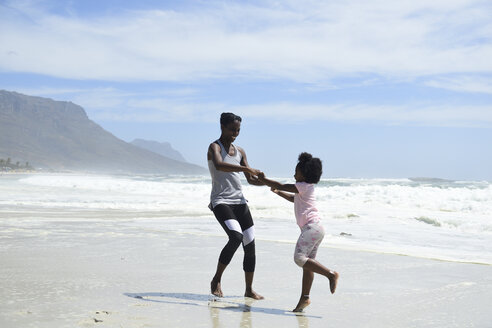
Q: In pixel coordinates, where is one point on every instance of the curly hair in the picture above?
(310, 167)
(226, 118)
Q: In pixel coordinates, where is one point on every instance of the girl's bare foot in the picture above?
(254, 295)
(333, 281)
(303, 303)
(215, 288)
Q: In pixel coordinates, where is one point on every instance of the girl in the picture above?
(308, 172)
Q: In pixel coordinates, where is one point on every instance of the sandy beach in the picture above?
(108, 251)
(90, 271)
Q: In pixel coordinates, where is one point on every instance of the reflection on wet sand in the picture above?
(217, 306)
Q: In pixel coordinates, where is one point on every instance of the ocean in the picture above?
(426, 218)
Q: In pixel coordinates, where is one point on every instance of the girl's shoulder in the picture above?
(305, 183)
(304, 187)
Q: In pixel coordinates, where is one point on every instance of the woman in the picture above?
(225, 161)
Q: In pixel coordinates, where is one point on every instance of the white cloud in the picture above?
(304, 41)
(49, 91)
(463, 84)
(111, 104)
(164, 109)
(416, 114)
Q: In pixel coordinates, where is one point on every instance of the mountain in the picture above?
(58, 135)
(161, 148)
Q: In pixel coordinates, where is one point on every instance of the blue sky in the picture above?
(388, 89)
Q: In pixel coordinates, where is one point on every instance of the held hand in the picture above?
(261, 176)
(254, 172)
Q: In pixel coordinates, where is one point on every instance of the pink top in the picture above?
(305, 204)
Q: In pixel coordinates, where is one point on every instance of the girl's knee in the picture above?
(300, 259)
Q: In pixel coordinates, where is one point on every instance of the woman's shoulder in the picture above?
(240, 149)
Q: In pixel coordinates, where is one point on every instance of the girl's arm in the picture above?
(277, 185)
(289, 197)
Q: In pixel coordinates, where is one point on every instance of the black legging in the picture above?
(237, 222)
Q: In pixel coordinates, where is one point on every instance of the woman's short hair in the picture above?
(226, 118)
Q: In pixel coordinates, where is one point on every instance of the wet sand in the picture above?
(90, 272)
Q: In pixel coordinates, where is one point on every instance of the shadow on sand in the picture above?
(229, 303)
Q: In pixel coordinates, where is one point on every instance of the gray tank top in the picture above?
(226, 186)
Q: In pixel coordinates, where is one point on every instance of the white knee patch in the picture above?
(233, 225)
(248, 235)
(300, 259)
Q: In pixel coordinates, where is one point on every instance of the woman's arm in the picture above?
(214, 155)
(277, 185)
(250, 177)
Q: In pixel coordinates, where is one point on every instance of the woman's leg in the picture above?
(215, 287)
(249, 292)
(249, 263)
(227, 220)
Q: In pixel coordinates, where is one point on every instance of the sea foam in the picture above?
(439, 219)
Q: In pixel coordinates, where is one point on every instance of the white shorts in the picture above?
(307, 245)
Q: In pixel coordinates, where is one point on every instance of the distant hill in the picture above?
(161, 148)
(58, 135)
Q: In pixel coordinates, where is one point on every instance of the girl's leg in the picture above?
(315, 266)
(307, 282)
(306, 249)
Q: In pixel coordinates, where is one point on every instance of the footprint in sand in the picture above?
(98, 318)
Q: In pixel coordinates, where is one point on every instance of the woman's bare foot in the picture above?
(333, 281)
(303, 303)
(215, 288)
(254, 295)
